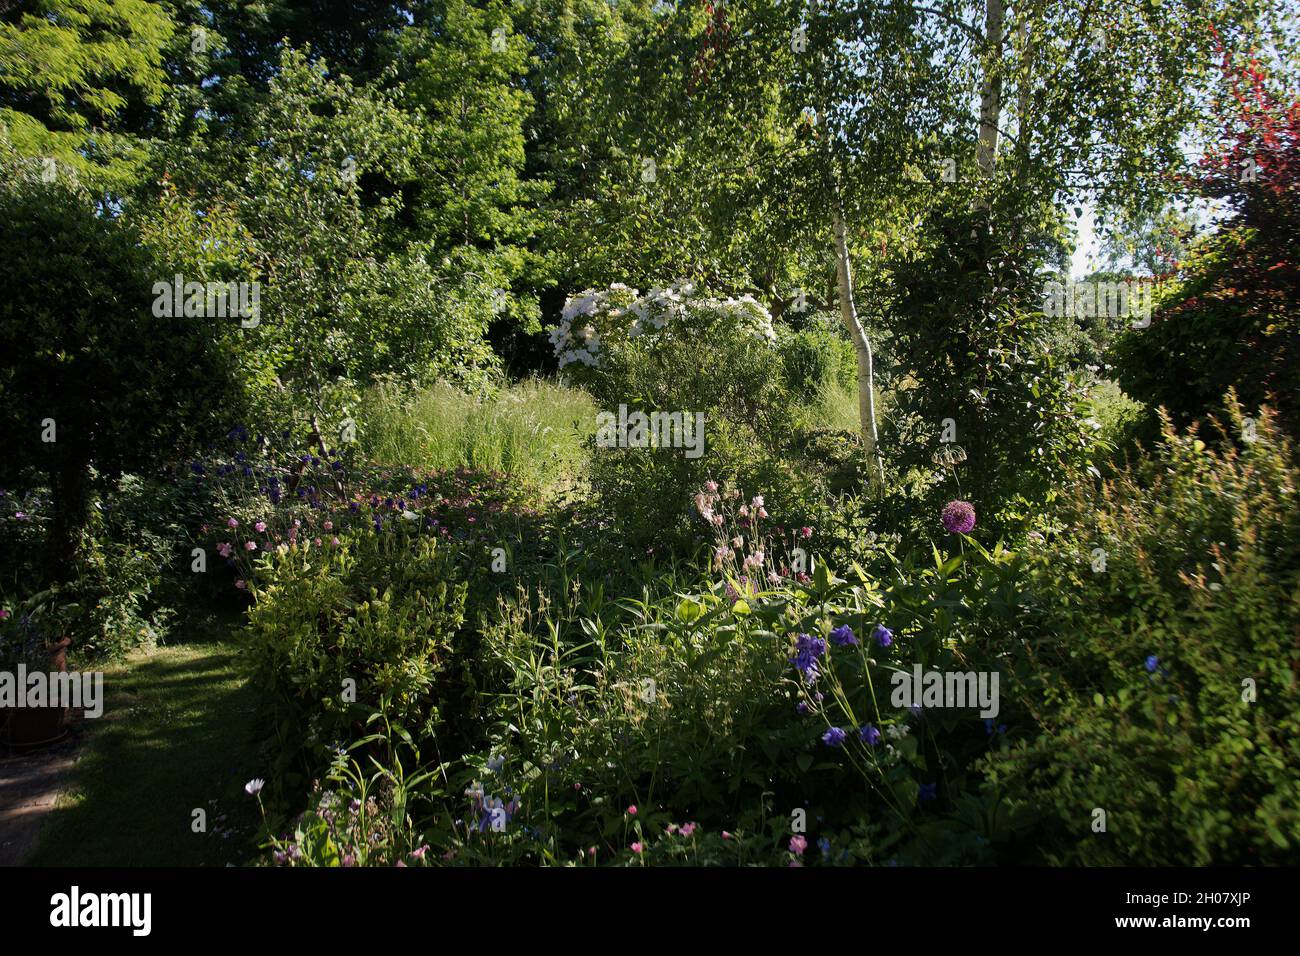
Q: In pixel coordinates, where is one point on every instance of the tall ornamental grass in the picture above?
(533, 430)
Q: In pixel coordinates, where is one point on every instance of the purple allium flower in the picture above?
(1152, 663)
(958, 517)
(882, 635)
(869, 735)
(842, 636)
(833, 737)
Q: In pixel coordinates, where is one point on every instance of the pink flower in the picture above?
(636, 847)
(250, 545)
(224, 549)
(591, 851)
(241, 584)
(4, 615)
(805, 532)
(328, 525)
(317, 542)
(232, 523)
(757, 502)
(688, 829)
(334, 541)
(726, 835)
(631, 811)
(797, 845)
(958, 517)
(711, 487)
(260, 527)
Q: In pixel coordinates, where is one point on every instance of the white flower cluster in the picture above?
(623, 313)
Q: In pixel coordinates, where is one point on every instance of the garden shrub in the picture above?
(969, 345)
(647, 492)
(339, 631)
(816, 357)
(672, 351)
(123, 390)
(1164, 670)
(1233, 317)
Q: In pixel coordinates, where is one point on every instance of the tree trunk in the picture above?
(861, 344)
(71, 486)
(990, 88)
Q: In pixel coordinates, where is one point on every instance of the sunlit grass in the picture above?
(533, 430)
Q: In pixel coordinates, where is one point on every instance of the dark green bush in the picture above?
(86, 362)
(1164, 678)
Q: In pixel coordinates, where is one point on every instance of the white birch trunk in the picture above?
(861, 344)
(991, 88)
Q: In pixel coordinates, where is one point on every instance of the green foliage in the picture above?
(1233, 319)
(1164, 683)
(77, 76)
(92, 376)
(337, 300)
(535, 430)
(337, 633)
(967, 346)
(468, 197)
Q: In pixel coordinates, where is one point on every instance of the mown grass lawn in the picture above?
(176, 736)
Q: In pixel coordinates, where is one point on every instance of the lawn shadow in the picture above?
(159, 780)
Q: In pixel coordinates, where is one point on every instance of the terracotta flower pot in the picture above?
(32, 727)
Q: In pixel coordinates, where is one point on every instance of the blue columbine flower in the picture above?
(842, 636)
(833, 737)
(807, 650)
(869, 735)
(928, 791)
(1152, 663)
(824, 845)
(883, 635)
